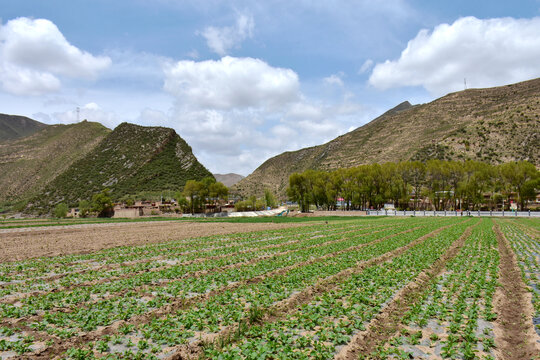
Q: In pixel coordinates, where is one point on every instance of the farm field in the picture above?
(426, 288)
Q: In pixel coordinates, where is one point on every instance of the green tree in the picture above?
(84, 208)
(193, 190)
(516, 175)
(298, 192)
(102, 203)
(269, 198)
(61, 210)
(218, 191)
(530, 189)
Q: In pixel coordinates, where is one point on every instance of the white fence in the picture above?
(237, 214)
(535, 214)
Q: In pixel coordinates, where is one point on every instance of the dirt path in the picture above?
(514, 333)
(387, 322)
(82, 239)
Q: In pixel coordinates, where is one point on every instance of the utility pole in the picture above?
(78, 113)
(465, 83)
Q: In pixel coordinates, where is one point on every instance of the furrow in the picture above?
(516, 337)
(382, 327)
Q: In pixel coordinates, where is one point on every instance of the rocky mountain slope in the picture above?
(28, 164)
(493, 125)
(130, 160)
(14, 127)
(228, 179)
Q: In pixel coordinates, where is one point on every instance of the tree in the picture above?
(204, 192)
(182, 202)
(218, 190)
(530, 189)
(269, 198)
(102, 204)
(61, 210)
(414, 173)
(516, 175)
(84, 208)
(192, 190)
(298, 191)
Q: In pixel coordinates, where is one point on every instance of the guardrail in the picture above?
(453, 213)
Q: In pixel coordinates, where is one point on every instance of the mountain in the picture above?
(228, 179)
(14, 127)
(131, 159)
(494, 125)
(28, 164)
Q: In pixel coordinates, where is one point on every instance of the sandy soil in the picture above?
(26, 243)
(515, 336)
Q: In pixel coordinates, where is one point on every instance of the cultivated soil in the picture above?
(514, 333)
(25, 243)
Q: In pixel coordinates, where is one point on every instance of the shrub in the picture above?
(61, 210)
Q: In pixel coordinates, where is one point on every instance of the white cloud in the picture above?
(90, 112)
(222, 39)
(237, 112)
(193, 54)
(33, 53)
(231, 83)
(334, 79)
(303, 110)
(487, 52)
(366, 66)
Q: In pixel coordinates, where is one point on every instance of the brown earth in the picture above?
(514, 333)
(26, 243)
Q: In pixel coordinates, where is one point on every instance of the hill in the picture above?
(28, 164)
(494, 125)
(14, 127)
(130, 160)
(228, 179)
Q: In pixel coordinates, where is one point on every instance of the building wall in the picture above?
(127, 213)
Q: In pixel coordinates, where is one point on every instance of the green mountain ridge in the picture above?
(28, 164)
(131, 159)
(494, 125)
(14, 127)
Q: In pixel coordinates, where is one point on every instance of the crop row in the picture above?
(153, 281)
(320, 327)
(143, 258)
(245, 303)
(67, 322)
(177, 255)
(527, 250)
(67, 264)
(454, 317)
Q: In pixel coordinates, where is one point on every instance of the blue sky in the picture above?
(242, 81)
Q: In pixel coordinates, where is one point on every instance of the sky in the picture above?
(242, 81)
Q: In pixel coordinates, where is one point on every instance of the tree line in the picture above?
(413, 185)
(198, 195)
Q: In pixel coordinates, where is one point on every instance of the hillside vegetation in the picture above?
(493, 125)
(14, 127)
(27, 165)
(131, 159)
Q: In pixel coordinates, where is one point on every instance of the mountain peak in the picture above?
(14, 126)
(465, 125)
